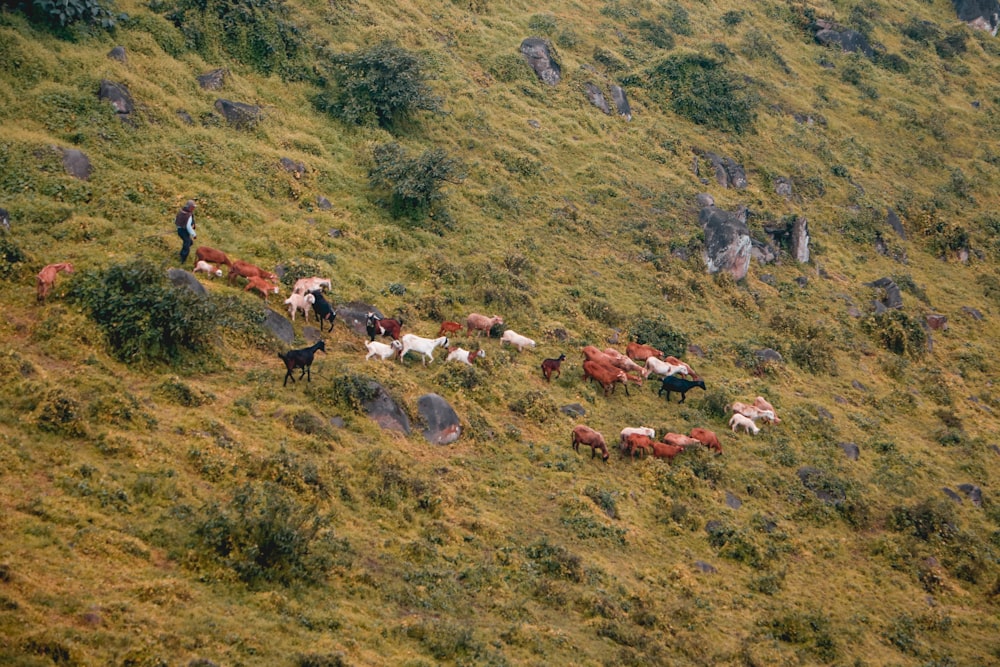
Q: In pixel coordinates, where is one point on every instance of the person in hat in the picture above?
(185, 228)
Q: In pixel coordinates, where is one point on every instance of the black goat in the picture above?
(301, 359)
(680, 385)
(324, 311)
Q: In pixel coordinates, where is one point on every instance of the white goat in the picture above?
(742, 421)
(423, 346)
(629, 430)
(516, 339)
(211, 269)
(664, 368)
(303, 285)
(753, 412)
(465, 356)
(301, 302)
(382, 350)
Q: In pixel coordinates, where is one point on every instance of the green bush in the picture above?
(656, 32)
(657, 332)
(930, 520)
(13, 259)
(703, 91)
(143, 316)
(382, 85)
(414, 183)
(265, 535)
(897, 332)
(64, 13)
(260, 34)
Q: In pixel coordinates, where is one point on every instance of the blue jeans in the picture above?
(186, 238)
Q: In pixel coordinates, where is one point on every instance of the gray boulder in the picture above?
(76, 163)
(5, 219)
(849, 41)
(118, 53)
(536, 51)
(280, 326)
(783, 187)
(385, 411)
(443, 426)
(851, 450)
(296, 169)
(727, 241)
(800, 240)
(355, 314)
(621, 102)
(727, 171)
(893, 297)
(979, 14)
(323, 203)
(596, 97)
(214, 80)
(182, 278)
(895, 223)
(118, 96)
(185, 117)
(816, 480)
(239, 115)
(573, 410)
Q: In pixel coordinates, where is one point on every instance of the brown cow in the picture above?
(47, 277)
(588, 436)
(707, 438)
(606, 375)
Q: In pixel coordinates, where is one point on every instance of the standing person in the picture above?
(185, 228)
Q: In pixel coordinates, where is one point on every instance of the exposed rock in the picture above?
(539, 56)
(801, 281)
(851, 450)
(573, 410)
(951, 494)
(979, 14)
(117, 95)
(443, 425)
(214, 80)
(118, 53)
(973, 493)
(728, 173)
(768, 355)
(311, 333)
(280, 326)
(764, 253)
(823, 413)
(800, 240)
(185, 117)
(707, 568)
(335, 233)
(355, 314)
(296, 169)
(621, 102)
(783, 187)
(182, 278)
(972, 312)
(857, 385)
(323, 203)
(76, 163)
(732, 501)
(849, 41)
(937, 322)
(696, 351)
(893, 297)
(4, 219)
(895, 223)
(768, 279)
(727, 241)
(239, 115)
(534, 123)
(596, 97)
(385, 411)
(704, 199)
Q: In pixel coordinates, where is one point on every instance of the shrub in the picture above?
(414, 183)
(603, 499)
(897, 332)
(656, 32)
(535, 405)
(703, 91)
(554, 560)
(13, 259)
(260, 34)
(63, 13)
(143, 316)
(265, 535)
(931, 519)
(382, 85)
(657, 332)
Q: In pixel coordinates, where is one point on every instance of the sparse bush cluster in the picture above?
(383, 85)
(413, 183)
(64, 13)
(897, 332)
(144, 317)
(656, 331)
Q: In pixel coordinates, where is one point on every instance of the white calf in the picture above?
(742, 421)
(465, 356)
(204, 267)
(381, 350)
(516, 339)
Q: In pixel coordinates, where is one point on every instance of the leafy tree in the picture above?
(382, 85)
(414, 183)
(143, 315)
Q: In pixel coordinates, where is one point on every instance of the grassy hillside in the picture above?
(186, 509)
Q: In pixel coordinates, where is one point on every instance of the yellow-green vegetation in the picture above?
(165, 501)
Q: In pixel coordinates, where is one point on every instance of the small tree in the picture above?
(63, 13)
(414, 183)
(383, 85)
